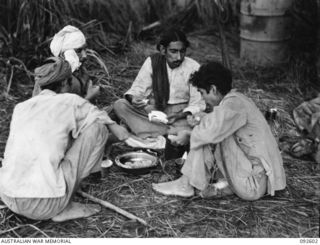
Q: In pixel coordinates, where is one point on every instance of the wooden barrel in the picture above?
(264, 31)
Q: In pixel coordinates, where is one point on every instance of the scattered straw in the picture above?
(293, 212)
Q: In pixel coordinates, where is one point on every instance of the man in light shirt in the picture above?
(56, 139)
(162, 84)
(232, 146)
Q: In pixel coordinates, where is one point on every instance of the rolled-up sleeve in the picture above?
(142, 85)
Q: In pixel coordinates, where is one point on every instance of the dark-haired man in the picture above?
(163, 82)
(56, 139)
(234, 139)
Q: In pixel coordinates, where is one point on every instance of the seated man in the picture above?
(56, 139)
(70, 44)
(233, 139)
(163, 81)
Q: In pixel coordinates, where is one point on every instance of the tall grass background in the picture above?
(26, 26)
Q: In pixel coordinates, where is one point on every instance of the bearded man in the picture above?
(162, 85)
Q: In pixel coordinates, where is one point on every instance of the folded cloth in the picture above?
(149, 143)
(158, 116)
(73, 59)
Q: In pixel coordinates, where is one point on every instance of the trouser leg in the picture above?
(86, 152)
(247, 178)
(198, 167)
(137, 120)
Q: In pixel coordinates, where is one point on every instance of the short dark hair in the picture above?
(172, 35)
(212, 73)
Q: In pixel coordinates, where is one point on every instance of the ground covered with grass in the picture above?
(293, 212)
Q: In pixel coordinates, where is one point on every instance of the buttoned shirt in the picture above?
(181, 91)
(237, 115)
(40, 132)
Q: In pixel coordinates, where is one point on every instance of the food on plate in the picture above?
(138, 163)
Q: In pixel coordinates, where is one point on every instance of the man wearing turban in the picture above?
(70, 44)
(56, 139)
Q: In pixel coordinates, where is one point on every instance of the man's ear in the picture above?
(162, 49)
(213, 88)
(65, 86)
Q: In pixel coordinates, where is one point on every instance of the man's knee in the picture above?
(121, 106)
(251, 193)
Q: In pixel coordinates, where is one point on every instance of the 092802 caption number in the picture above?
(309, 240)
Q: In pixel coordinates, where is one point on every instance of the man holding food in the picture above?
(160, 98)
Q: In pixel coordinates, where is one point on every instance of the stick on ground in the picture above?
(113, 207)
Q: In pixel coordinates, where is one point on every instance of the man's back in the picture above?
(256, 139)
(40, 133)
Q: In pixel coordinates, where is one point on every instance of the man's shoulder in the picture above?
(66, 98)
(234, 93)
(72, 98)
(191, 63)
(237, 100)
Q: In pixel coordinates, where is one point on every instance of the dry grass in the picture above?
(293, 212)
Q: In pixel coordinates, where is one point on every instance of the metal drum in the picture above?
(264, 31)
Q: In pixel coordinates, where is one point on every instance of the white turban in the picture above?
(68, 39)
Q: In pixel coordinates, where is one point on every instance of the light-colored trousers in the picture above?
(246, 178)
(83, 157)
(138, 122)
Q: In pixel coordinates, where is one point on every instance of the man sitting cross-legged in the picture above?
(162, 85)
(234, 139)
(56, 139)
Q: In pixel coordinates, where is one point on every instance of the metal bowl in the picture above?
(136, 162)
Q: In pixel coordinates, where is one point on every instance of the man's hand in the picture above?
(182, 138)
(176, 117)
(120, 132)
(93, 91)
(193, 120)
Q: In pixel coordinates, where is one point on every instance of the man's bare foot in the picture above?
(76, 210)
(179, 187)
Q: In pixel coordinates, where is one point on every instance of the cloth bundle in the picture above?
(158, 116)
